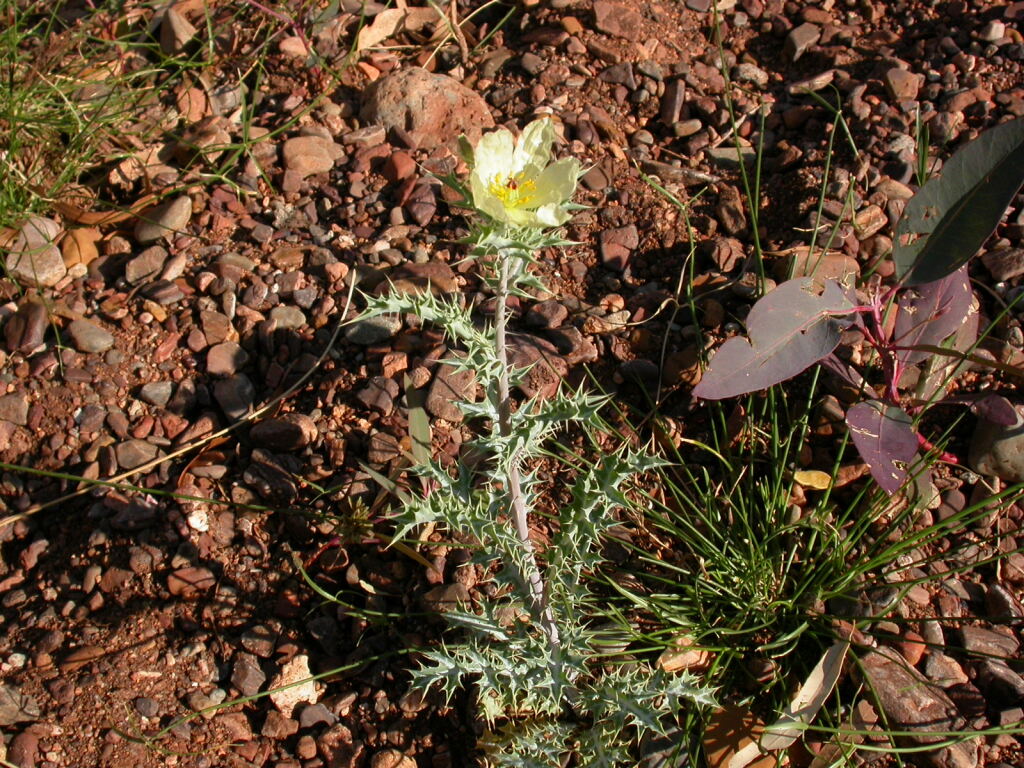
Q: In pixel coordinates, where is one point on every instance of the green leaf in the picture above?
(419, 423)
(952, 216)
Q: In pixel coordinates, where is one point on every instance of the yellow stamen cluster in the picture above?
(513, 191)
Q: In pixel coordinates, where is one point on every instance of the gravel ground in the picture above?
(124, 608)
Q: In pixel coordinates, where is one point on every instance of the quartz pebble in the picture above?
(292, 685)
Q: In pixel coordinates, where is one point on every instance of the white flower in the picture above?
(512, 182)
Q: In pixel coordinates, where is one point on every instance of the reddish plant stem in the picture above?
(927, 446)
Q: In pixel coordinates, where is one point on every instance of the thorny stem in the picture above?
(533, 577)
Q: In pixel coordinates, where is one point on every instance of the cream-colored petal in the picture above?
(520, 217)
(478, 186)
(556, 183)
(551, 215)
(494, 154)
(534, 145)
(492, 206)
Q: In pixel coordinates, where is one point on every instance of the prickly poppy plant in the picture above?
(530, 652)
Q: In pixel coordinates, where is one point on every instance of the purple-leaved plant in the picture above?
(927, 320)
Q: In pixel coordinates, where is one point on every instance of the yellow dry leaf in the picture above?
(389, 22)
(730, 740)
(192, 105)
(813, 478)
(684, 656)
(79, 246)
(77, 214)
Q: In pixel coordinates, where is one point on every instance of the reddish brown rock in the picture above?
(189, 583)
(801, 39)
(429, 110)
(617, 20)
(290, 432)
(307, 155)
(901, 84)
(617, 245)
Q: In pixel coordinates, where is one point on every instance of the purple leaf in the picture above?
(931, 313)
(790, 329)
(886, 440)
(845, 372)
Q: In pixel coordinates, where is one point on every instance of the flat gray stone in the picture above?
(447, 597)
(901, 84)
(383, 448)
(911, 703)
(146, 266)
(316, 714)
(291, 432)
(216, 326)
(746, 72)
(247, 676)
(14, 408)
(379, 395)
(999, 683)
(33, 258)
(176, 32)
(225, 359)
(547, 314)
(287, 317)
(986, 642)
(373, 330)
(25, 330)
(164, 292)
(1004, 263)
(729, 157)
(307, 155)
(16, 707)
(800, 39)
(618, 20)
(157, 393)
(944, 670)
(235, 395)
(166, 220)
(89, 337)
(134, 453)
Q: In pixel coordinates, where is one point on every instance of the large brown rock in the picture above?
(916, 706)
(431, 110)
(997, 450)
